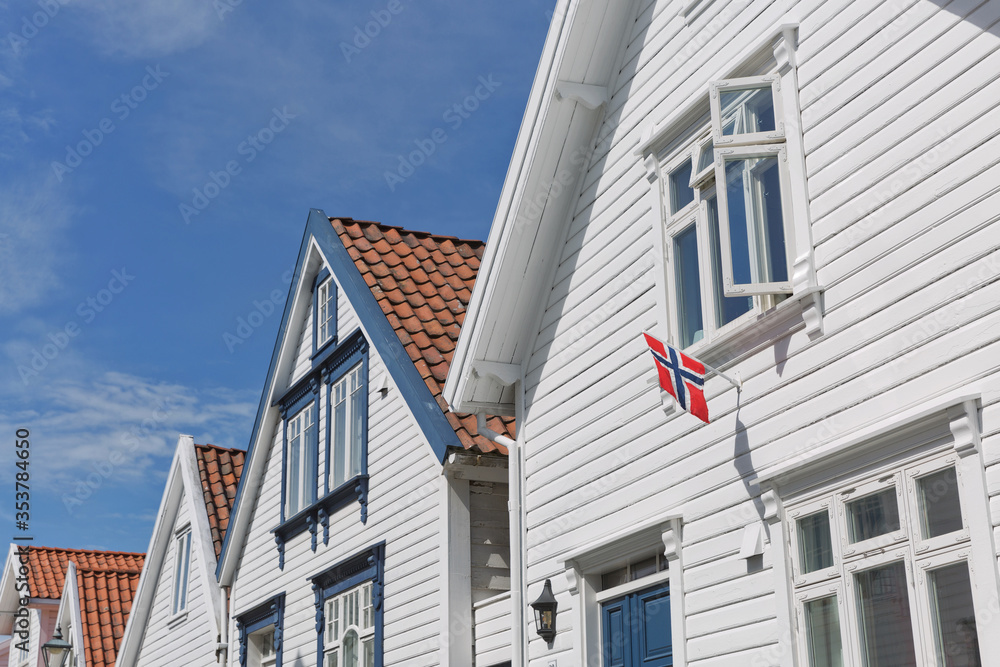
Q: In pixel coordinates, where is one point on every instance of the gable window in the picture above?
(324, 311)
(348, 405)
(300, 460)
(182, 566)
(349, 607)
(260, 634)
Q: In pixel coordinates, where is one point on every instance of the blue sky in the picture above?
(157, 164)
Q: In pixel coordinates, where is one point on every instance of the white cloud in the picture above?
(33, 219)
(117, 429)
(148, 29)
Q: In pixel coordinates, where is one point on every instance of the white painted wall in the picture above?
(900, 105)
(403, 510)
(190, 634)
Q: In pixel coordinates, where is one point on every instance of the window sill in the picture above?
(318, 514)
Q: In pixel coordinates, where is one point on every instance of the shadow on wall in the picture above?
(982, 14)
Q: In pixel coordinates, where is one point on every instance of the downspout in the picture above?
(517, 594)
(222, 649)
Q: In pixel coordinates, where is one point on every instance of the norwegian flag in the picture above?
(681, 376)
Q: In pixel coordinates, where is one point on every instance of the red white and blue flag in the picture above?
(680, 376)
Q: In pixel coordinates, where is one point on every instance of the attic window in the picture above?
(182, 565)
(324, 311)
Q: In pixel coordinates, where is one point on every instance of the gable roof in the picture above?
(105, 602)
(423, 283)
(47, 567)
(220, 470)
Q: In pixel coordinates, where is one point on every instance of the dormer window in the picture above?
(325, 311)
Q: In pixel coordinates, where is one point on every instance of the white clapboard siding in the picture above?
(492, 630)
(901, 117)
(192, 633)
(404, 494)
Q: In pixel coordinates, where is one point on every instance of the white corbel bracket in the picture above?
(590, 96)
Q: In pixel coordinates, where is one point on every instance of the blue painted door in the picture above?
(636, 630)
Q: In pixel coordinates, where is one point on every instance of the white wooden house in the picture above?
(178, 606)
(370, 525)
(841, 508)
(85, 595)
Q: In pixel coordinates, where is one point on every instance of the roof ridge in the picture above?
(415, 232)
(87, 551)
(219, 448)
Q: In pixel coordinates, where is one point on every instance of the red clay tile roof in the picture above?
(105, 602)
(220, 471)
(423, 283)
(47, 567)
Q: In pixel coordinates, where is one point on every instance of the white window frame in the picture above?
(182, 563)
(257, 657)
(715, 92)
(327, 312)
(697, 213)
(584, 569)
(722, 157)
(336, 624)
(298, 427)
(877, 454)
(347, 389)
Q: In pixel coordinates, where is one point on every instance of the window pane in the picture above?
(356, 406)
(815, 543)
(339, 435)
(871, 516)
(351, 657)
(727, 308)
(310, 455)
(823, 632)
(706, 157)
(614, 578)
(681, 193)
(331, 659)
(756, 225)
(747, 111)
(643, 568)
(689, 321)
(940, 510)
(884, 617)
(369, 649)
(955, 635)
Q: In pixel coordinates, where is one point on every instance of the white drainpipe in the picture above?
(517, 594)
(222, 650)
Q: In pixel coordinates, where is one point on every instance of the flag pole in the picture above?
(738, 382)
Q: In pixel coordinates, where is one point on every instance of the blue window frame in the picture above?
(324, 330)
(349, 603)
(636, 629)
(263, 622)
(343, 370)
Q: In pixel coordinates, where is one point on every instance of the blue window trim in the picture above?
(331, 366)
(319, 348)
(368, 565)
(271, 612)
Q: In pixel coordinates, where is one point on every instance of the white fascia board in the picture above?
(142, 603)
(69, 610)
(8, 593)
(201, 532)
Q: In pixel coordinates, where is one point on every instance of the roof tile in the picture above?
(424, 285)
(220, 470)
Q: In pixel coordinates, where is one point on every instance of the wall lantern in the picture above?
(56, 650)
(545, 613)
